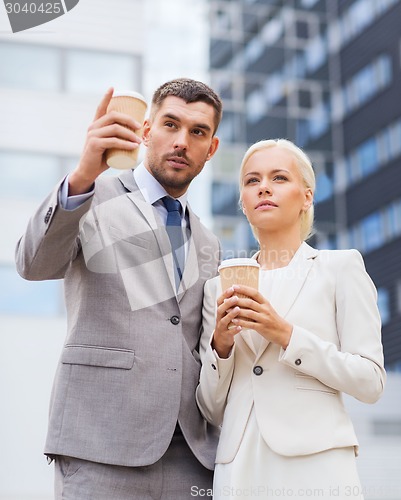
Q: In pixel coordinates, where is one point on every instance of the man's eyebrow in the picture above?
(203, 126)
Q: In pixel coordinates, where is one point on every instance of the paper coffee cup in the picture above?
(133, 104)
(239, 272)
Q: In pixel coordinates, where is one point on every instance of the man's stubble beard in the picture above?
(169, 179)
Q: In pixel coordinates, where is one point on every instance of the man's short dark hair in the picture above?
(190, 91)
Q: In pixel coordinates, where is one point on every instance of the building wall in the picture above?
(51, 80)
(326, 75)
(367, 201)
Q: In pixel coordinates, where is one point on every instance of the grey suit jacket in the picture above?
(130, 364)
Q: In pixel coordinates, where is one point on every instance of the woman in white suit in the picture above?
(275, 364)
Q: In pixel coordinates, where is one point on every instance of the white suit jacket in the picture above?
(335, 347)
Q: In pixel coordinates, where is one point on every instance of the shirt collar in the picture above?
(151, 189)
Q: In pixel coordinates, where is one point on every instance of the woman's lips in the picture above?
(265, 205)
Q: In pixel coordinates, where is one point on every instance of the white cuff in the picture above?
(72, 202)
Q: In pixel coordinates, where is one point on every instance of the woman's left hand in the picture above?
(257, 313)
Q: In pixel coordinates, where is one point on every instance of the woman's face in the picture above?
(273, 191)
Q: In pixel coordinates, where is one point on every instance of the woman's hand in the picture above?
(258, 314)
(225, 330)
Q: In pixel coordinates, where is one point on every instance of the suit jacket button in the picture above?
(298, 362)
(48, 215)
(175, 320)
(214, 366)
(257, 370)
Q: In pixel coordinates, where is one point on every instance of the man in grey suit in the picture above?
(123, 418)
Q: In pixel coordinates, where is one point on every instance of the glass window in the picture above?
(383, 71)
(302, 132)
(296, 67)
(224, 86)
(255, 106)
(395, 138)
(367, 157)
(316, 53)
(28, 175)
(374, 153)
(383, 303)
(367, 83)
(308, 3)
(273, 30)
(29, 67)
(301, 29)
(88, 71)
(372, 232)
(352, 175)
(225, 198)
(227, 127)
(349, 97)
(21, 297)
(384, 146)
(223, 20)
(345, 28)
(324, 187)
(327, 241)
(359, 16)
(393, 219)
(253, 50)
(363, 86)
(274, 88)
(352, 238)
(319, 120)
(226, 163)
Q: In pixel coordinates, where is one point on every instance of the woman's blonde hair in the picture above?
(305, 168)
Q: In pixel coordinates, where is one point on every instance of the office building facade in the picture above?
(326, 75)
(51, 80)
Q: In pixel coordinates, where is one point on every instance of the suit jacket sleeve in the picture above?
(357, 366)
(216, 373)
(51, 240)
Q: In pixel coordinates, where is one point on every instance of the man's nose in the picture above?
(181, 139)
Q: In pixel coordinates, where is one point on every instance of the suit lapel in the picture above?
(152, 217)
(291, 284)
(296, 273)
(246, 338)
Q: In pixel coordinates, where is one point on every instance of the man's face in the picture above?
(179, 140)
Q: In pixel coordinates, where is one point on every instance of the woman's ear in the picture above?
(308, 200)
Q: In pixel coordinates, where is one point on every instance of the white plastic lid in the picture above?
(238, 262)
(129, 93)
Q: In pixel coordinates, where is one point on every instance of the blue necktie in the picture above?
(174, 231)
